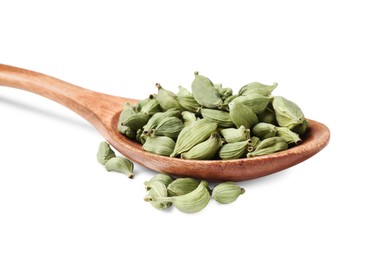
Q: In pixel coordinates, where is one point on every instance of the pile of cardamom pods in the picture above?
(213, 123)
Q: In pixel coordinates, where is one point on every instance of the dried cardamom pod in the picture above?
(120, 164)
(255, 142)
(289, 136)
(223, 92)
(169, 126)
(151, 107)
(289, 115)
(205, 150)
(191, 202)
(257, 88)
(192, 135)
(222, 118)
(204, 92)
(159, 177)
(267, 116)
(187, 100)
(188, 117)
(234, 150)
(257, 102)
(182, 186)
(137, 108)
(227, 192)
(157, 190)
(242, 115)
(126, 112)
(229, 99)
(268, 146)
(161, 145)
(136, 121)
(264, 130)
(167, 99)
(232, 135)
(156, 118)
(104, 153)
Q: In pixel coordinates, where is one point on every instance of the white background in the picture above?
(330, 57)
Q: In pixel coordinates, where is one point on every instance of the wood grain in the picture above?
(102, 111)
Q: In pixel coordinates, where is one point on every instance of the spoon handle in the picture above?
(95, 107)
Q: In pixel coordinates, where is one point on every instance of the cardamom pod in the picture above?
(159, 177)
(257, 88)
(205, 93)
(227, 192)
(137, 108)
(267, 116)
(104, 153)
(289, 115)
(169, 126)
(192, 135)
(188, 117)
(182, 186)
(234, 150)
(151, 107)
(257, 102)
(167, 99)
(268, 146)
(301, 128)
(156, 118)
(232, 135)
(161, 145)
(191, 202)
(229, 99)
(223, 92)
(141, 137)
(242, 115)
(205, 150)
(157, 190)
(289, 136)
(136, 121)
(120, 164)
(222, 118)
(187, 100)
(126, 112)
(264, 130)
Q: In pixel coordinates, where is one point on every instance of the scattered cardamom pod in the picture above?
(268, 146)
(119, 164)
(227, 192)
(222, 118)
(205, 93)
(166, 98)
(187, 100)
(242, 115)
(182, 186)
(157, 190)
(257, 88)
(160, 177)
(289, 136)
(205, 150)
(161, 145)
(232, 135)
(264, 130)
(192, 135)
(104, 153)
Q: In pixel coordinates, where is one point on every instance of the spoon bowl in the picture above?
(103, 110)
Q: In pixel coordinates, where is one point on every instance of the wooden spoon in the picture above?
(102, 111)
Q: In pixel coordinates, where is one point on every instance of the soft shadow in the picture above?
(37, 110)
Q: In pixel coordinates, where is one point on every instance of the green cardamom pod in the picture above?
(120, 164)
(232, 135)
(289, 136)
(161, 145)
(268, 146)
(136, 121)
(257, 88)
(137, 108)
(223, 92)
(301, 128)
(151, 107)
(288, 114)
(205, 150)
(156, 118)
(104, 153)
(169, 126)
(229, 99)
(167, 99)
(264, 130)
(227, 192)
(222, 118)
(234, 150)
(257, 102)
(159, 177)
(242, 115)
(157, 190)
(187, 100)
(188, 117)
(205, 93)
(126, 112)
(182, 186)
(191, 202)
(255, 142)
(267, 116)
(192, 135)
(141, 137)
